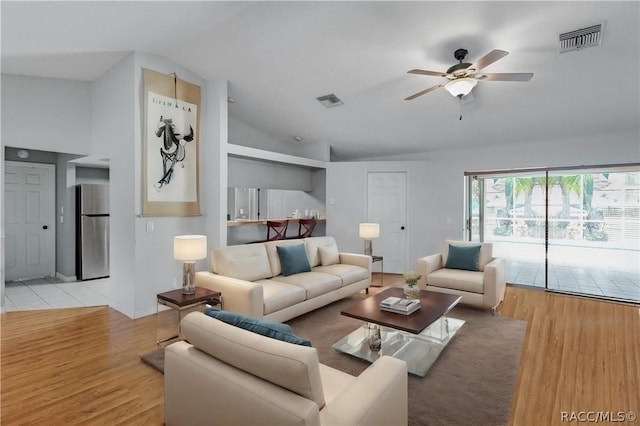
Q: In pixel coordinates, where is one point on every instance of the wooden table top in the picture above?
(433, 306)
(177, 297)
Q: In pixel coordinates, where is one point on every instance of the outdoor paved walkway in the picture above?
(600, 282)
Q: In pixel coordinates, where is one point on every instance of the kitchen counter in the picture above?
(245, 222)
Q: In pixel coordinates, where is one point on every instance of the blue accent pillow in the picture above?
(293, 259)
(463, 257)
(272, 329)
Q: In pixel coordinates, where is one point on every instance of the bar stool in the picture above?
(305, 227)
(279, 229)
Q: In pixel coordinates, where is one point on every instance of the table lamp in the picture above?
(369, 231)
(189, 248)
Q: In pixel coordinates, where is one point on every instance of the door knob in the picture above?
(45, 227)
(402, 227)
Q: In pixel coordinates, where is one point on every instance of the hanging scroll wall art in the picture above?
(171, 146)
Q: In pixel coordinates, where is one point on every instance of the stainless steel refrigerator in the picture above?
(92, 231)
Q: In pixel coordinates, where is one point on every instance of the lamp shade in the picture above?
(189, 247)
(369, 230)
(461, 86)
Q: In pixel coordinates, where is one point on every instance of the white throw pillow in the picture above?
(329, 255)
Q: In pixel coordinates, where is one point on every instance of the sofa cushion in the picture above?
(247, 262)
(293, 259)
(463, 257)
(278, 295)
(272, 253)
(292, 367)
(329, 255)
(313, 283)
(275, 330)
(313, 243)
(486, 251)
(349, 274)
(457, 279)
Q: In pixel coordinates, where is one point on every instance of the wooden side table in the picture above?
(380, 259)
(181, 303)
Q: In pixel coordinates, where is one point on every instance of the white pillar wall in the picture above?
(142, 263)
(213, 163)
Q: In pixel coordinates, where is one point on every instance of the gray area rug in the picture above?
(155, 359)
(472, 383)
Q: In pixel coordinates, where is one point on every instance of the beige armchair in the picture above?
(483, 288)
(226, 375)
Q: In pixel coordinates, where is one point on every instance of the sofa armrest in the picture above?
(379, 396)
(239, 296)
(495, 275)
(356, 259)
(426, 265)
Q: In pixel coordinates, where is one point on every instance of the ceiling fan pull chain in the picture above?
(460, 107)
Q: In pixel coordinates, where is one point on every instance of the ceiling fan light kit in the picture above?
(461, 86)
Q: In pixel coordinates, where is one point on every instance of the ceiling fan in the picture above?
(463, 77)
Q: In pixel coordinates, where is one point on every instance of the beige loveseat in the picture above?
(251, 281)
(228, 376)
(483, 288)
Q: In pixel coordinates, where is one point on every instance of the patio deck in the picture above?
(603, 282)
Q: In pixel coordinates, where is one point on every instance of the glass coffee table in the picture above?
(417, 338)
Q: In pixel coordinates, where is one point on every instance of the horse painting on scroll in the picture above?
(172, 150)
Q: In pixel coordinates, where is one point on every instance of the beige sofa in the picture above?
(229, 376)
(251, 281)
(484, 288)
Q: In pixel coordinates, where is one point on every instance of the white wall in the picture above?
(244, 173)
(347, 204)
(439, 188)
(104, 118)
(214, 169)
(113, 135)
(41, 114)
(155, 269)
(47, 114)
(243, 134)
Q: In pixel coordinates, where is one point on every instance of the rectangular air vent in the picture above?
(330, 101)
(579, 39)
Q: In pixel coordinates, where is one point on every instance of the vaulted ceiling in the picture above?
(279, 56)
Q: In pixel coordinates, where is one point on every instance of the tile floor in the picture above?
(599, 282)
(51, 293)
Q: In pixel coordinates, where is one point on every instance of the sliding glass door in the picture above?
(510, 213)
(572, 230)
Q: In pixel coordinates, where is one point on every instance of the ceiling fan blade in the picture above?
(508, 76)
(425, 72)
(424, 92)
(488, 59)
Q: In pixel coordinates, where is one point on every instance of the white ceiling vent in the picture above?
(579, 39)
(330, 101)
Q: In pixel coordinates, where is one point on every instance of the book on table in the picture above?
(400, 305)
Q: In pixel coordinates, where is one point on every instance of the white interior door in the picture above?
(29, 220)
(387, 205)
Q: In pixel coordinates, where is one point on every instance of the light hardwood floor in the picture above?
(81, 365)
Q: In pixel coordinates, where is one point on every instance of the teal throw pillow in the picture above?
(272, 329)
(463, 257)
(293, 259)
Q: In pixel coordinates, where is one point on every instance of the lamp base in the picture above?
(368, 247)
(188, 278)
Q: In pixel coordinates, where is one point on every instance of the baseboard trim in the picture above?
(65, 278)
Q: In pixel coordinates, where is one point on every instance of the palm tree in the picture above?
(526, 185)
(568, 184)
